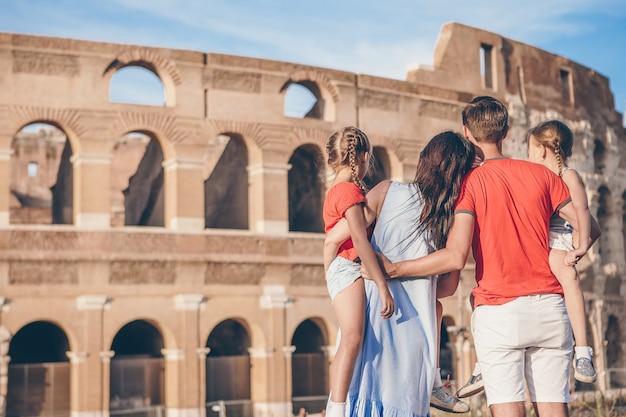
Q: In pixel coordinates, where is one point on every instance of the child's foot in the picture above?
(443, 400)
(584, 370)
(473, 386)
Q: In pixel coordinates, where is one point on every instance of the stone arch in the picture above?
(165, 129)
(600, 155)
(380, 167)
(68, 121)
(41, 179)
(306, 190)
(226, 191)
(322, 87)
(614, 350)
(252, 134)
(604, 217)
(29, 351)
(144, 197)
(397, 152)
(309, 369)
(165, 69)
(624, 221)
(39, 368)
(136, 368)
(228, 370)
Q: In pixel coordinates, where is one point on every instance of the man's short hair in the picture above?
(486, 118)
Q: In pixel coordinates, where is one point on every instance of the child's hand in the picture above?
(572, 257)
(387, 301)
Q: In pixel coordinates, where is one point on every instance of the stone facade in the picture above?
(201, 230)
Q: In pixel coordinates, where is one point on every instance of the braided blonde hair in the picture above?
(344, 147)
(556, 136)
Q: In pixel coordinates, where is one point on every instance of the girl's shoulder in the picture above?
(345, 186)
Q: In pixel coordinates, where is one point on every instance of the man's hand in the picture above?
(385, 264)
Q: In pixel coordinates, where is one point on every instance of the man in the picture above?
(521, 330)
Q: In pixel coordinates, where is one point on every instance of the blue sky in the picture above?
(366, 36)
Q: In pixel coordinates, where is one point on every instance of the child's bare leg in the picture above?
(574, 300)
(349, 307)
(441, 398)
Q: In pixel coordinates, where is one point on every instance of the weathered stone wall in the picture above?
(92, 277)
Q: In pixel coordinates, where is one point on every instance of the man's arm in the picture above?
(451, 258)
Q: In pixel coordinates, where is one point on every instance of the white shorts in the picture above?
(561, 241)
(526, 340)
(341, 274)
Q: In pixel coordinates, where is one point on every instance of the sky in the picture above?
(374, 37)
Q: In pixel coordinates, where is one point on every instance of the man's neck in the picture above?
(491, 151)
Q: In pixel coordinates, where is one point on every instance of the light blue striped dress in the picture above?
(394, 373)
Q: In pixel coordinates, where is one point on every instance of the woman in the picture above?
(395, 371)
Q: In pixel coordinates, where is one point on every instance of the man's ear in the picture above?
(467, 133)
(506, 132)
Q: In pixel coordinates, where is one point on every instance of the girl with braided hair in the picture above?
(349, 152)
(550, 144)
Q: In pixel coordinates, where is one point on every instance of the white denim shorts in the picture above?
(341, 274)
(527, 340)
(561, 241)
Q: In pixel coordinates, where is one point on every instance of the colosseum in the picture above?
(166, 259)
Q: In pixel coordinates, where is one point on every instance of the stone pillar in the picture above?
(174, 396)
(5, 185)
(5, 359)
(184, 199)
(105, 384)
(78, 384)
(288, 354)
(202, 353)
(269, 198)
(271, 393)
(88, 383)
(189, 383)
(596, 322)
(92, 202)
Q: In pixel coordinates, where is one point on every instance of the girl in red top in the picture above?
(349, 153)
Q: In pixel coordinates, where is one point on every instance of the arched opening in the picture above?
(39, 372)
(380, 168)
(613, 339)
(599, 157)
(228, 371)
(226, 184)
(135, 84)
(446, 352)
(624, 222)
(41, 181)
(603, 216)
(306, 190)
(127, 153)
(303, 100)
(137, 185)
(136, 381)
(309, 369)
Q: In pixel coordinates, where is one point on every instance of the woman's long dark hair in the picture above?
(442, 167)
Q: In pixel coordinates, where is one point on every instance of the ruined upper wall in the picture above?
(538, 78)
